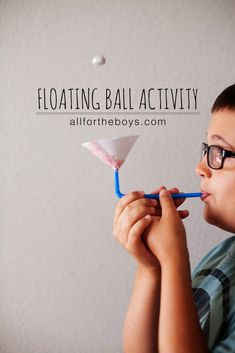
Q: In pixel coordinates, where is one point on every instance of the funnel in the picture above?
(113, 152)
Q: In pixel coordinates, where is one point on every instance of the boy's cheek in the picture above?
(229, 209)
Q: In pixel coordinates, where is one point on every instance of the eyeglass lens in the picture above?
(215, 155)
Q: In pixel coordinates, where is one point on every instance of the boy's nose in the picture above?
(202, 169)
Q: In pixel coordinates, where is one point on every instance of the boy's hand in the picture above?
(133, 215)
(166, 236)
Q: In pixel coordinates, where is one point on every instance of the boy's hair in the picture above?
(225, 99)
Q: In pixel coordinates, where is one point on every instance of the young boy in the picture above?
(170, 312)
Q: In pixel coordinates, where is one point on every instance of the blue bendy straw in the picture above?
(152, 196)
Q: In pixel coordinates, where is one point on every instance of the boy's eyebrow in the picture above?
(220, 138)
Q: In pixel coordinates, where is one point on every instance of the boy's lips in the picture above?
(205, 194)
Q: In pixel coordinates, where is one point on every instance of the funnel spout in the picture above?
(116, 184)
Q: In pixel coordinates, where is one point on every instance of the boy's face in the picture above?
(220, 184)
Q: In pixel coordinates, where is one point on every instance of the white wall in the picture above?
(65, 283)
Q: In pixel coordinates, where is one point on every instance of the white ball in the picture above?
(98, 60)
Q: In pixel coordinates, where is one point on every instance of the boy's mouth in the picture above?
(204, 195)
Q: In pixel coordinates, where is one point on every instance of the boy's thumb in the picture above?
(167, 203)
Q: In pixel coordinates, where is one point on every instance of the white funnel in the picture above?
(112, 151)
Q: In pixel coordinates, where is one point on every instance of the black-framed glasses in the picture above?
(215, 155)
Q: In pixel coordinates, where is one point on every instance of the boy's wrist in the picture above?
(176, 259)
(179, 265)
(150, 273)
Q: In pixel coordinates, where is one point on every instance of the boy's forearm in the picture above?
(179, 328)
(141, 322)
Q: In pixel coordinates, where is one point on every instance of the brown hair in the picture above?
(225, 99)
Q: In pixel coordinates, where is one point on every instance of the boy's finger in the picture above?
(183, 213)
(127, 220)
(167, 203)
(156, 191)
(177, 202)
(124, 201)
(173, 190)
(137, 229)
(138, 205)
